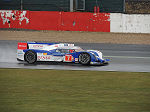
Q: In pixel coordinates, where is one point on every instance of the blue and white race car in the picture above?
(32, 52)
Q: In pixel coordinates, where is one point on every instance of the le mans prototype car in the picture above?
(32, 52)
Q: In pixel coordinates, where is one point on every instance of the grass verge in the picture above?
(26, 90)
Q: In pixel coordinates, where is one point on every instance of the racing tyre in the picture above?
(84, 58)
(30, 57)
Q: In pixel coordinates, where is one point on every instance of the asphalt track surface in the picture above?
(130, 58)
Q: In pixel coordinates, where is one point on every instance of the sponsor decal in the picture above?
(57, 58)
(35, 46)
(76, 59)
(43, 57)
(71, 45)
(44, 53)
(56, 45)
(71, 50)
(22, 46)
(20, 53)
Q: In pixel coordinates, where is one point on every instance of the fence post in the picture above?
(95, 9)
(124, 6)
(21, 4)
(71, 5)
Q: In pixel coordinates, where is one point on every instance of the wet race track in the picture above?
(131, 58)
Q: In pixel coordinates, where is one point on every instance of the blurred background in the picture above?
(111, 6)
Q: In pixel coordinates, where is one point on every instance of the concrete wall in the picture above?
(75, 21)
(54, 20)
(130, 23)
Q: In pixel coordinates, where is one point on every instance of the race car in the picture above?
(32, 52)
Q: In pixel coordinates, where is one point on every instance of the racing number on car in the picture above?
(68, 58)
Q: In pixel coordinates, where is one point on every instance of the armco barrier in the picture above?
(49, 20)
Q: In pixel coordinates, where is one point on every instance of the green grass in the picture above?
(24, 90)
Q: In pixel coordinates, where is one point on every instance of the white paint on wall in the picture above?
(9, 15)
(116, 23)
(22, 16)
(5, 15)
(130, 23)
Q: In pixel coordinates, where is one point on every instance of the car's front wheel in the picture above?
(30, 57)
(84, 58)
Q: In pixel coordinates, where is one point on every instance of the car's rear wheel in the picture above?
(30, 57)
(84, 58)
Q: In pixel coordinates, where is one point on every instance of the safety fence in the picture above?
(63, 5)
